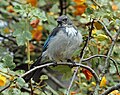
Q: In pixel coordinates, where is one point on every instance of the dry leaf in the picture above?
(87, 73)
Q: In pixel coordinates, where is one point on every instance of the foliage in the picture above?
(24, 27)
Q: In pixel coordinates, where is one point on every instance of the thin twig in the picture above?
(109, 53)
(97, 4)
(53, 78)
(83, 66)
(94, 56)
(8, 39)
(7, 86)
(116, 87)
(61, 6)
(106, 30)
(13, 17)
(81, 56)
(65, 4)
(37, 67)
(28, 90)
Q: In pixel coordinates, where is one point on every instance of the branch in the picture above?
(37, 67)
(14, 17)
(61, 7)
(7, 86)
(64, 63)
(8, 39)
(54, 79)
(83, 66)
(106, 30)
(94, 56)
(109, 53)
(116, 87)
(96, 3)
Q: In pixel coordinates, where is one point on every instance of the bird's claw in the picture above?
(73, 63)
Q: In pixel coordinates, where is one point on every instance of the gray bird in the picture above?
(60, 45)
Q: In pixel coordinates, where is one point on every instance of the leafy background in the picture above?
(25, 25)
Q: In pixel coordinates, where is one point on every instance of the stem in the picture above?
(28, 54)
(96, 3)
(7, 86)
(106, 30)
(61, 7)
(116, 87)
(109, 54)
(104, 56)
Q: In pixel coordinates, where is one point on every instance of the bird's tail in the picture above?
(36, 73)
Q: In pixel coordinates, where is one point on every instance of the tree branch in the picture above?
(37, 67)
(109, 53)
(96, 3)
(116, 87)
(8, 39)
(64, 63)
(61, 7)
(7, 86)
(94, 56)
(106, 30)
(53, 79)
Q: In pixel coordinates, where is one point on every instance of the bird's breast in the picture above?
(71, 31)
(63, 45)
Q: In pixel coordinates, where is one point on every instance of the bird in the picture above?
(60, 45)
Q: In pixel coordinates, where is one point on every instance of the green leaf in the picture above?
(18, 8)
(20, 82)
(27, 35)
(67, 75)
(14, 91)
(25, 93)
(62, 69)
(3, 3)
(51, 20)
(19, 28)
(8, 61)
(54, 8)
(2, 68)
(117, 21)
(112, 69)
(42, 2)
(52, 90)
(43, 16)
(44, 77)
(20, 40)
(22, 33)
(106, 21)
(16, 33)
(40, 14)
(89, 11)
(3, 51)
(65, 70)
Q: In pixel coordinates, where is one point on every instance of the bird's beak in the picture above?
(59, 20)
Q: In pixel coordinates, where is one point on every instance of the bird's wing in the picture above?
(50, 37)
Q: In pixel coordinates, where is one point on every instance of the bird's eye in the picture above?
(65, 19)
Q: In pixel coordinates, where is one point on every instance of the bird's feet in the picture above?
(73, 63)
(55, 63)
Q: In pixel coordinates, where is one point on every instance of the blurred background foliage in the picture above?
(23, 21)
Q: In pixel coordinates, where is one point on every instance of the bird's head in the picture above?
(64, 20)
